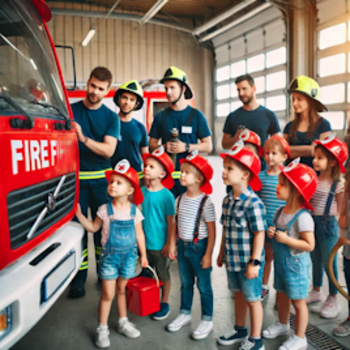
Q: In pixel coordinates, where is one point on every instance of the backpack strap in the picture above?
(199, 217)
(331, 195)
(177, 213)
(190, 117)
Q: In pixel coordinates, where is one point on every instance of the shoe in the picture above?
(234, 336)
(102, 337)
(275, 330)
(179, 322)
(76, 291)
(294, 343)
(203, 330)
(330, 308)
(265, 294)
(163, 313)
(252, 344)
(342, 329)
(314, 297)
(128, 329)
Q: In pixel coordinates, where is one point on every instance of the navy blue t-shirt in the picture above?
(177, 119)
(95, 124)
(262, 121)
(302, 139)
(133, 136)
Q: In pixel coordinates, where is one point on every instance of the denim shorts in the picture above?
(114, 264)
(293, 275)
(251, 288)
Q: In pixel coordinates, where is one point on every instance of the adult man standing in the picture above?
(133, 139)
(98, 130)
(190, 123)
(251, 115)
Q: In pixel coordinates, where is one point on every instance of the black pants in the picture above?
(347, 276)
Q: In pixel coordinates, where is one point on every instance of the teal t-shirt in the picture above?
(156, 207)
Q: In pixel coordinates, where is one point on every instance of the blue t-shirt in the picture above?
(133, 136)
(262, 121)
(302, 139)
(95, 124)
(156, 207)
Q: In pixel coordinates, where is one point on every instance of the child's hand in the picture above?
(252, 271)
(219, 260)
(271, 231)
(206, 261)
(78, 212)
(143, 261)
(165, 251)
(172, 253)
(344, 240)
(280, 236)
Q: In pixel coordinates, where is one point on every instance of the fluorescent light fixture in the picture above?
(236, 22)
(33, 64)
(222, 17)
(153, 11)
(88, 37)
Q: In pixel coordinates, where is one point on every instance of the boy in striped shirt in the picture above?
(277, 151)
(195, 226)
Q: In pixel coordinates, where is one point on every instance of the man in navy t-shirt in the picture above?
(190, 123)
(133, 139)
(97, 130)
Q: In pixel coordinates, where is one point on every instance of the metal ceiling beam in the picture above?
(153, 11)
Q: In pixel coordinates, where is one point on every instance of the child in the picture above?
(252, 140)
(242, 247)
(158, 208)
(276, 150)
(121, 231)
(195, 224)
(343, 329)
(293, 240)
(329, 157)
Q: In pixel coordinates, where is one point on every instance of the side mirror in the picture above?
(66, 58)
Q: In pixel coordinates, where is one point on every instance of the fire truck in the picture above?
(40, 247)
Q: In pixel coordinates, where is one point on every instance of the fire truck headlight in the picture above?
(5, 321)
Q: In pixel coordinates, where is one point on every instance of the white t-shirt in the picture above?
(118, 215)
(187, 216)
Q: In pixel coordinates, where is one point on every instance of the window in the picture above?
(235, 105)
(348, 92)
(276, 57)
(336, 119)
(223, 109)
(276, 81)
(331, 94)
(238, 69)
(234, 92)
(276, 103)
(223, 73)
(223, 92)
(260, 84)
(332, 65)
(332, 36)
(261, 101)
(256, 63)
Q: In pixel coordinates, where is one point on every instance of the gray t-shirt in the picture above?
(304, 223)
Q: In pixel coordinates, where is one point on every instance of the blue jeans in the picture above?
(326, 236)
(189, 256)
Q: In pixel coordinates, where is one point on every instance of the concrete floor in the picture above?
(71, 324)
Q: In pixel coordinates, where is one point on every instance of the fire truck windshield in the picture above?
(28, 72)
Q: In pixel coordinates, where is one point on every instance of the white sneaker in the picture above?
(294, 343)
(102, 337)
(179, 322)
(314, 297)
(330, 308)
(203, 329)
(128, 329)
(275, 330)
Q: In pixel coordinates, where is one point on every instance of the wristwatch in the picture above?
(255, 262)
(187, 147)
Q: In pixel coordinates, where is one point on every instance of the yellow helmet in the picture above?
(174, 73)
(131, 86)
(308, 87)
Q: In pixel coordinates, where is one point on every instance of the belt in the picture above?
(90, 175)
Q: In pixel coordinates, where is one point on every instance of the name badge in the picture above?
(186, 129)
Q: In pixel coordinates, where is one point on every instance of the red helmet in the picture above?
(303, 178)
(203, 166)
(248, 158)
(249, 136)
(163, 158)
(283, 142)
(124, 169)
(337, 148)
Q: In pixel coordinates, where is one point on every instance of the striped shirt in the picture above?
(268, 195)
(319, 199)
(187, 215)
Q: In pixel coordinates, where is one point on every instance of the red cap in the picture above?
(249, 136)
(203, 166)
(337, 148)
(283, 142)
(124, 169)
(163, 158)
(303, 178)
(248, 158)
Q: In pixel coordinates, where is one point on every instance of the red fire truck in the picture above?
(40, 248)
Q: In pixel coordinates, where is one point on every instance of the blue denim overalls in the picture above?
(292, 272)
(118, 256)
